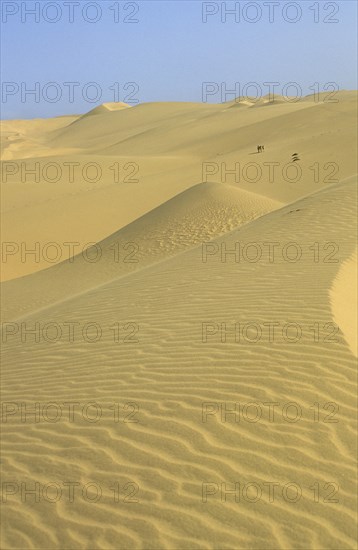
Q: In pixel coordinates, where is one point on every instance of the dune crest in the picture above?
(107, 108)
(344, 300)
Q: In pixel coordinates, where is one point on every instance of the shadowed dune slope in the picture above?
(199, 214)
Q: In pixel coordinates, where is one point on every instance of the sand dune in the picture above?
(28, 138)
(104, 109)
(242, 297)
(194, 216)
(148, 154)
(111, 106)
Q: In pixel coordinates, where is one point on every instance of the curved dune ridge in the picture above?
(216, 368)
(344, 301)
(194, 216)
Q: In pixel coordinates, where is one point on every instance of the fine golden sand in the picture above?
(194, 297)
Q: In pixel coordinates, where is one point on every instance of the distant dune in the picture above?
(107, 108)
(217, 287)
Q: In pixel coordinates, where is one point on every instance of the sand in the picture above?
(209, 295)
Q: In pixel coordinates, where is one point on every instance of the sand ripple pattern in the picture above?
(170, 452)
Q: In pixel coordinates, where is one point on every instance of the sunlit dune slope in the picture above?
(169, 371)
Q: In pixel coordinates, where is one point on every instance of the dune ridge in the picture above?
(197, 215)
(344, 300)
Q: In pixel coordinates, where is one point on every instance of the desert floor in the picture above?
(179, 348)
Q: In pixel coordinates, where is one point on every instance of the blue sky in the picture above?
(165, 50)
